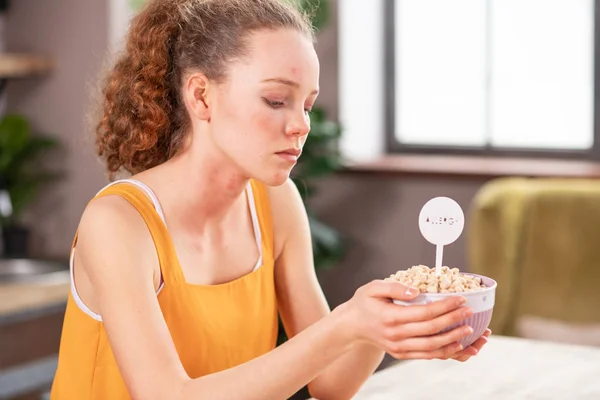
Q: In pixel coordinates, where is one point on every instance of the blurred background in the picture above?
(491, 103)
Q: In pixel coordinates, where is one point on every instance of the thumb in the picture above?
(392, 290)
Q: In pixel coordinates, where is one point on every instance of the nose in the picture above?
(299, 125)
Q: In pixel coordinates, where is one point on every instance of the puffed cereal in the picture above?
(451, 280)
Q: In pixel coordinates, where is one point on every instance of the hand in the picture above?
(405, 332)
(472, 350)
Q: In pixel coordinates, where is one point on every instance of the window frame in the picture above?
(394, 146)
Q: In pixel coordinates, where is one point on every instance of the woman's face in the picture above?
(259, 114)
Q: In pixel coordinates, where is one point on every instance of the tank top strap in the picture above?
(146, 203)
(259, 201)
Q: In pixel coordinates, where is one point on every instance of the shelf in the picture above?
(475, 167)
(14, 65)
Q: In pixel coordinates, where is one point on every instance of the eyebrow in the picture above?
(287, 82)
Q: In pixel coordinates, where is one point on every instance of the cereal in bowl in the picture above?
(449, 281)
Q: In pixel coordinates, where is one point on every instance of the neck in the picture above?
(201, 190)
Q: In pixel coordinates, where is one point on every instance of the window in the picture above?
(494, 76)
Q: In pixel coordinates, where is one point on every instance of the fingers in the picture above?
(442, 346)
(432, 344)
(391, 290)
(479, 343)
(435, 325)
(465, 354)
(396, 314)
(442, 353)
(474, 349)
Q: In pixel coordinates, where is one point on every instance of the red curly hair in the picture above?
(143, 119)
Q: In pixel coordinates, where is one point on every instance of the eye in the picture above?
(273, 103)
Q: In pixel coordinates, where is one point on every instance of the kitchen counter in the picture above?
(33, 296)
(31, 317)
(19, 301)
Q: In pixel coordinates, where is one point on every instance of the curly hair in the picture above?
(143, 120)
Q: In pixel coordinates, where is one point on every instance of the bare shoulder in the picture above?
(110, 217)
(113, 234)
(287, 206)
(288, 211)
(284, 194)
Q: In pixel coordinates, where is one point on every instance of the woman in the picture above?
(180, 271)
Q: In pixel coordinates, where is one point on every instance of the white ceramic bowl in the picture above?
(481, 302)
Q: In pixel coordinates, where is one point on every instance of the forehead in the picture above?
(282, 53)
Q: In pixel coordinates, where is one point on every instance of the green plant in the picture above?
(320, 158)
(318, 10)
(20, 171)
(136, 5)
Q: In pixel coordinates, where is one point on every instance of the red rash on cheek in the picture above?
(263, 122)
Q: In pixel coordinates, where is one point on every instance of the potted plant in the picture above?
(20, 179)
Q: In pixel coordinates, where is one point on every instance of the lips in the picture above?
(290, 154)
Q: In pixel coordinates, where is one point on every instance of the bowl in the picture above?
(481, 302)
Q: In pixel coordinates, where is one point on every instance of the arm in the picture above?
(301, 300)
(124, 294)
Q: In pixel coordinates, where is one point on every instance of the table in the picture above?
(507, 368)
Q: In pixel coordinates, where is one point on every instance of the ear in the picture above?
(196, 96)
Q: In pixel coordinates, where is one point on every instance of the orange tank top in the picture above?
(213, 327)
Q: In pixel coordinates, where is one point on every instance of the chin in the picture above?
(274, 178)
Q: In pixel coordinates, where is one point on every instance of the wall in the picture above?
(75, 33)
